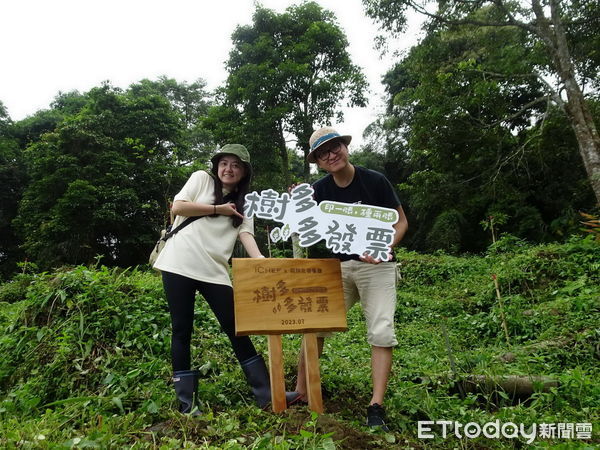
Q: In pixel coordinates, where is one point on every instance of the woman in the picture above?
(196, 259)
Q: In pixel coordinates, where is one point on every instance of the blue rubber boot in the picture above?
(259, 380)
(186, 384)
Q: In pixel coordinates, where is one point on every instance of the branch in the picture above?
(563, 56)
(522, 111)
(543, 29)
(521, 149)
(553, 92)
(503, 75)
(443, 19)
(511, 22)
(511, 19)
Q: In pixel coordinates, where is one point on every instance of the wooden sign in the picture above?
(288, 295)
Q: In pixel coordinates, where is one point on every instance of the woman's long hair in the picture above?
(237, 196)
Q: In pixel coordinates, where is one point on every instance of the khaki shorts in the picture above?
(374, 286)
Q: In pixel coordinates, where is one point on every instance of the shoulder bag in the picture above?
(166, 234)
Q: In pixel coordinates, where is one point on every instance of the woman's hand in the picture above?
(249, 244)
(227, 209)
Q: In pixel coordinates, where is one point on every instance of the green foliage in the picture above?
(369, 158)
(15, 290)
(89, 348)
(446, 233)
(287, 73)
(13, 179)
(101, 179)
(190, 103)
(578, 19)
(538, 42)
(469, 141)
(31, 129)
(74, 334)
(85, 357)
(551, 304)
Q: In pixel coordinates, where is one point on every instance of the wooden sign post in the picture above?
(276, 296)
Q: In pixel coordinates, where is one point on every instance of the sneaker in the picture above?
(376, 417)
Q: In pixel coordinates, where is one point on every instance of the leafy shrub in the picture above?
(15, 289)
(85, 357)
(446, 231)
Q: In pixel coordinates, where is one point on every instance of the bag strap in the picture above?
(180, 227)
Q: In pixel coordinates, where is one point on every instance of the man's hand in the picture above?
(369, 259)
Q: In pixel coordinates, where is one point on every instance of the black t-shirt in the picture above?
(367, 187)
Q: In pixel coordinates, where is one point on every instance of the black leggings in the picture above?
(181, 292)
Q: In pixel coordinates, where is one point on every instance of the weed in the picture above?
(85, 358)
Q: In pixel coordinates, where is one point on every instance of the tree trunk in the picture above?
(305, 166)
(586, 134)
(297, 250)
(303, 138)
(285, 161)
(554, 37)
(516, 387)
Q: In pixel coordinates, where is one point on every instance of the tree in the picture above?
(464, 151)
(31, 128)
(101, 179)
(191, 103)
(12, 180)
(14, 138)
(288, 72)
(259, 134)
(564, 31)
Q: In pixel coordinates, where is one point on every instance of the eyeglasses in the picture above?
(323, 155)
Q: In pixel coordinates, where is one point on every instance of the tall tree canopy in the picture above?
(190, 102)
(101, 179)
(12, 180)
(287, 73)
(465, 148)
(564, 36)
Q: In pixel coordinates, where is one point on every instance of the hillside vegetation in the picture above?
(85, 358)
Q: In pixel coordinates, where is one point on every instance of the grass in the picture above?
(85, 358)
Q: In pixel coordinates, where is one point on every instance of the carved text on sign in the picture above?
(275, 295)
(345, 228)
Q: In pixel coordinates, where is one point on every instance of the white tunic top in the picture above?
(201, 250)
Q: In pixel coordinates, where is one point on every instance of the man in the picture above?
(365, 279)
